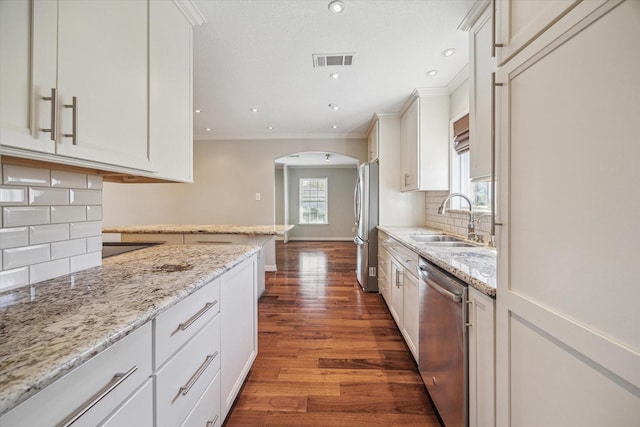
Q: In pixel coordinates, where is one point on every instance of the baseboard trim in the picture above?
(271, 268)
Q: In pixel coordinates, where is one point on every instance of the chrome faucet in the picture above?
(492, 237)
(443, 210)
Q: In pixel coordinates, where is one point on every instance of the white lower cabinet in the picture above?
(239, 335)
(183, 379)
(206, 413)
(411, 312)
(136, 411)
(482, 391)
(94, 390)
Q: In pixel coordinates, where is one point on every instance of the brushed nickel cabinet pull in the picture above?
(101, 394)
(74, 120)
(54, 104)
(212, 423)
(494, 45)
(192, 319)
(494, 196)
(185, 388)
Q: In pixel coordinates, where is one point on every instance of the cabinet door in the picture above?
(411, 317)
(27, 73)
(564, 342)
(373, 142)
(397, 300)
(520, 21)
(481, 67)
(239, 336)
(170, 104)
(137, 410)
(482, 366)
(384, 274)
(103, 62)
(409, 150)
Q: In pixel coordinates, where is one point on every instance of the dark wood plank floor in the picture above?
(329, 354)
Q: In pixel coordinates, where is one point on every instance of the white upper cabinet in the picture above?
(170, 92)
(518, 22)
(103, 64)
(99, 84)
(482, 65)
(424, 141)
(27, 74)
(373, 142)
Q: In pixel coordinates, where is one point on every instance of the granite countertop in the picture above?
(200, 229)
(48, 329)
(475, 266)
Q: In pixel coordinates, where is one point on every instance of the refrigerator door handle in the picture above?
(358, 241)
(356, 201)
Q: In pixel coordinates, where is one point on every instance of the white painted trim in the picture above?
(474, 13)
(461, 77)
(271, 268)
(191, 12)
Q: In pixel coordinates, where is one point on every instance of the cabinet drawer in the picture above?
(405, 256)
(207, 410)
(178, 324)
(171, 239)
(216, 239)
(181, 382)
(80, 388)
(136, 411)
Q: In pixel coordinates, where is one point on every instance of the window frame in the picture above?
(301, 220)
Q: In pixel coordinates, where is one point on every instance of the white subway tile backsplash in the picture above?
(22, 175)
(86, 197)
(82, 262)
(94, 182)
(68, 179)
(18, 216)
(14, 278)
(50, 223)
(94, 244)
(13, 196)
(85, 229)
(14, 237)
(68, 214)
(48, 270)
(48, 233)
(68, 248)
(94, 213)
(26, 255)
(42, 196)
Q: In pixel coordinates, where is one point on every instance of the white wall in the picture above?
(341, 182)
(227, 176)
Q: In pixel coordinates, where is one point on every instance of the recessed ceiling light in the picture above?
(334, 76)
(334, 127)
(196, 111)
(254, 110)
(432, 73)
(336, 6)
(270, 127)
(448, 52)
(334, 106)
(207, 129)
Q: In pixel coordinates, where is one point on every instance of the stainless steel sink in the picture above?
(441, 240)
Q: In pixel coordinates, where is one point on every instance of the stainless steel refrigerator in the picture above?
(365, 201)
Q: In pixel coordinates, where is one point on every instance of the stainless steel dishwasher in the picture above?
(444, 343)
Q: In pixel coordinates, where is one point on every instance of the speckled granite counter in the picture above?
(48, 329)
(475, 266)
(204, 229)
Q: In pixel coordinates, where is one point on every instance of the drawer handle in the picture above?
(212, 423)
(191, 321)
(185, 388)
(204, 242)
(101, 394)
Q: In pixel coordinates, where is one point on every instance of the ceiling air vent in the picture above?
(328, 60)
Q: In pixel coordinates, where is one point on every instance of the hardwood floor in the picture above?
(329, 354)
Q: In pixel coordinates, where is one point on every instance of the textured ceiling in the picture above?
(258, 53)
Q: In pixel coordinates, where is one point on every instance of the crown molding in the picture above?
(280, 137)
(191, 12)
(461, 77)
(474, 13)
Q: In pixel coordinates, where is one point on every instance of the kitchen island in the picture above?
(50, 330)
(179, 234)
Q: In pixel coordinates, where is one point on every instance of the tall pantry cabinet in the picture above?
(567, 343)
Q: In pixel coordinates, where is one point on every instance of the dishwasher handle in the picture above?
(424, 275)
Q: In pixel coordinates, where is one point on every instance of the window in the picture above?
(314, 197)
